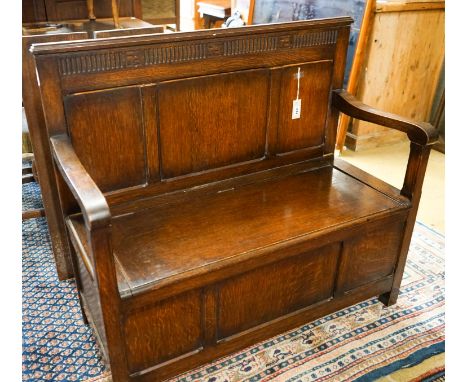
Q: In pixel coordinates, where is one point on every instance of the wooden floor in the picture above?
(388, 163)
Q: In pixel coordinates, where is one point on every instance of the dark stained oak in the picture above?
(235, 100)
(42, 155)
(42, 32)
(150, 333)
(201, 217)
(99, 28)
(117, 126)
(151, 244)
(274, 290)
(369, 257)
(91, 200)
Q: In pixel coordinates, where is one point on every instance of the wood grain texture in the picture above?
(314, 86)
(111, 147)
(33, 34)
(166, 330)
(272, 291)
(128, 31)
(422, 133)
(356, 67)
(196, 137)
(264, 332)
(409, 6)
(89, 292)
(92, 203)
(238, 221)
(412, 189)
(337, 83)
(369, 257)
(33, 11)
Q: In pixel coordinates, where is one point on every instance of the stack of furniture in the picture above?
(212, 12)
(399, 69)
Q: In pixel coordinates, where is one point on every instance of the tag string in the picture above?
(298, 81)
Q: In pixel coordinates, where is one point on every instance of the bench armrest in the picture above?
(422, 136)
(421, 133)
(92, 202)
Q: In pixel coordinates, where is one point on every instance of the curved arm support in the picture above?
(421, 133)
(91, 200)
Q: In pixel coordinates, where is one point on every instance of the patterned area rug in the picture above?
(31, 197)
(366, 342)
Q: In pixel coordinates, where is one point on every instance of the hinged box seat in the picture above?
(157, 245)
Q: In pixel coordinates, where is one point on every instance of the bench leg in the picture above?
(389, 298)
(412, 187)
(78, 283)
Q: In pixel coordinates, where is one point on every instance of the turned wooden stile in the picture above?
(115, 11)
(90, 4)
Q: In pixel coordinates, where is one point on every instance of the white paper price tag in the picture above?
(296, 109)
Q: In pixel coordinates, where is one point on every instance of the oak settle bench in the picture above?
(203, 201)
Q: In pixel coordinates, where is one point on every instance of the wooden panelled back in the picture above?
(156, 113)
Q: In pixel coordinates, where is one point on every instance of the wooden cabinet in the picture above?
(404, 57)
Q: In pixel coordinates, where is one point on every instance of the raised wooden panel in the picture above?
(157, 333)
(369, 256)
(275, 290)
(106, 129)
(212, 121)
(314, 91)
(77, 9)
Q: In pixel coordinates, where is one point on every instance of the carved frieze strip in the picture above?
(315, 38)
(177, 53)
(95, 62)
(111, 60)
(250, 45)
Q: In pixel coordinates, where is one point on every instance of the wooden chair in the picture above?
(204, 204)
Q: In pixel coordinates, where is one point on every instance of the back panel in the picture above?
(151, 114)
(212, 121)
(107, 132)
(312, 89)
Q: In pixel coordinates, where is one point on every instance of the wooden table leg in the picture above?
(115, 13)
(90, 4)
